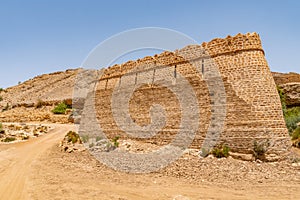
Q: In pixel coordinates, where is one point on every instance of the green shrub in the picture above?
(292, 117)
(60, 108)
(1, 89)
(115, 141)
(296, 134)
(73, 137)
(282, 98)
(9, 139)
(1, 98)
(221, 151)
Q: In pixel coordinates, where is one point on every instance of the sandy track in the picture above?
(16, 161)
(38, 169)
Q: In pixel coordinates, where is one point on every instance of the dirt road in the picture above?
(16, 161)
(39, 169)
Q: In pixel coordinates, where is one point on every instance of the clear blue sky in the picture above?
(39, 36)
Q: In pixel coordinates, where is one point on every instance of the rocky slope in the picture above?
(34, 99)
(290, 84)
(52, 87)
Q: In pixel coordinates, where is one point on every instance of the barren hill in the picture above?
(51, 87)
(19, 102)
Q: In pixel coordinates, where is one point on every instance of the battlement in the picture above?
(239, 42)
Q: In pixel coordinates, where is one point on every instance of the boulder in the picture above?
(292, 92)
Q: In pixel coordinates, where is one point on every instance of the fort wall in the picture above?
(253, 108)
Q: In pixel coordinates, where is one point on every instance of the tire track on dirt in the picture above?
(16, 160)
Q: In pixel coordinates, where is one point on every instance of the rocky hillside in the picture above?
(290, 84)
(48, 88)
(34, 99)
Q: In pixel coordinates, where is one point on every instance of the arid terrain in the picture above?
(38, 168)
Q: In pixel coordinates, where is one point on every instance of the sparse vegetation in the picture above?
(84, 138)
(98, 138)
(296, 137)
(291, 115)
(73, 137)
(1, 98)
(1, 89)
(282, 98)
(296, 134)
(260, 148)
(220, 151)
(9, 139)
(1, 128)
(60, 108)
(115, 141)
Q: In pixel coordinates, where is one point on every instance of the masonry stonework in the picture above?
(253, 108)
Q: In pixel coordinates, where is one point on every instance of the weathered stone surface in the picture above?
(292, 93)
(290, 83)
(253, 108)
(241, 156)
(272, 157)
(283, 78)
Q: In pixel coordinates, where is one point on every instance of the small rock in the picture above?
(272, 157)
(296, 164)
(241, 156)
(259, 161)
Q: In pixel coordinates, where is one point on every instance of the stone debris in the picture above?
(71, 143)
(16, 132)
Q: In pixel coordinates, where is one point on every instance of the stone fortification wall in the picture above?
(253, 109)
